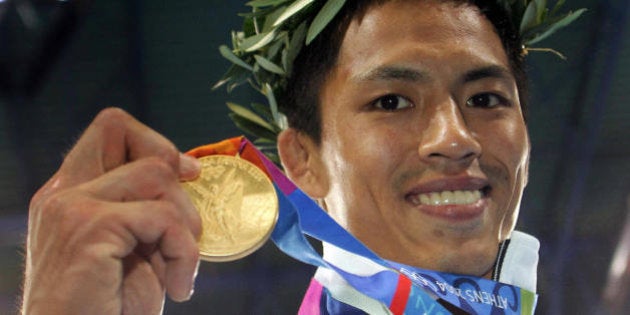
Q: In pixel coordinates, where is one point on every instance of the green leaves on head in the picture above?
(536, 22)
(325, 15)
(275, 31)
(262, 54)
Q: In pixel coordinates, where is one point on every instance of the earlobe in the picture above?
(302, 162)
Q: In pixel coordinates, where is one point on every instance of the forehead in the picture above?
(399, 29)
(428, 13)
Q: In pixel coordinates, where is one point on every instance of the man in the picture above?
(423, 149)
(420, 150)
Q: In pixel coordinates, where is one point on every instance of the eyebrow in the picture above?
(397, 73)
(493, 71)
(403, 73)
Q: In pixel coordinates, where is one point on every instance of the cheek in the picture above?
(377, 148)
(508, 143)
(362, 158)
(516, 144)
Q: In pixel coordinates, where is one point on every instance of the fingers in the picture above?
(189, 167)
(168, 219)
(116, 197)
(146, 179)
(175, 257)
(114, 138)
(182, 263)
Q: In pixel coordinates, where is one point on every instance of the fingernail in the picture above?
(189, 167)
(192, 283)
(196, 270)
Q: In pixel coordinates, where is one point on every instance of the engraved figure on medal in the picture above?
(237, 204)
(219, 205)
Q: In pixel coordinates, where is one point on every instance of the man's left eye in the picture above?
(486, 100)
(392, 102)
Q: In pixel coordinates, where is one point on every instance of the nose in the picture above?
(447, 140)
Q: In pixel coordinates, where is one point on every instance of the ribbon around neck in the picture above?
(403, 289)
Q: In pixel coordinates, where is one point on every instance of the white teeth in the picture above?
(457, 197)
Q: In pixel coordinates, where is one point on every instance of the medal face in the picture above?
(237, 204)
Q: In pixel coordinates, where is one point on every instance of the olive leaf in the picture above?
(273, 50)
(265, 144)
(271, 17)
(295, 45)
(235, 73)
(257, 41)
(557, 7)
(294, 8)
(229, 55)
(541, 10)
(273, 105)
(262, 110)
(325, 15)
(251, 128)
(268, 65)
(529, 17)
(547, 30)
(249, 115)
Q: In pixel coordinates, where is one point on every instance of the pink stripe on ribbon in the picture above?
(310, 304)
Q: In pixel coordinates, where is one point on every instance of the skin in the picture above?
(457, 125)
(112, 230)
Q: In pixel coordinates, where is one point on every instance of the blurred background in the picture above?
(63, 61)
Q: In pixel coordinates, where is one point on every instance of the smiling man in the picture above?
(423, 149)
(406, 124)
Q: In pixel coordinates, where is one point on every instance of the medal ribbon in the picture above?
(404, 289)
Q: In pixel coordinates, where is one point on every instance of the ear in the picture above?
(302, 162)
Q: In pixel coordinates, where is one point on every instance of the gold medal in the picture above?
(237, 204)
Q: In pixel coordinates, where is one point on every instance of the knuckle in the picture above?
(53, 185)
(169, 211)
(64, 211)
(157, 167)
(187, 243)
(111, 120)
(163, 213)
(54, 203)
(37, 199)
(111, 114)
(169, 153)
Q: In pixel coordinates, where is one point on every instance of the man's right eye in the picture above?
(392, 102)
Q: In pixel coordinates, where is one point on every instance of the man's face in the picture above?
(424, 146)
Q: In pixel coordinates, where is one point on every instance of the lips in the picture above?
(453, 199)
(456, 197)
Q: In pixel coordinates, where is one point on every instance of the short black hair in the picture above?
(300, 101)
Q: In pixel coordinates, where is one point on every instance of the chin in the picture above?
(468, 261)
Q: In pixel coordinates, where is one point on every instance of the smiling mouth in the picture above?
(449, 197)
(455, 206)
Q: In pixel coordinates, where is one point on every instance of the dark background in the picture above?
(63, 61)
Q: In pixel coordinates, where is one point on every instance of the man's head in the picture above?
(422, 148)
(301, 100)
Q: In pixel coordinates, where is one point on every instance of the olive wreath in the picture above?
(273, 33)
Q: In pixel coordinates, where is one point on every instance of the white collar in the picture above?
(520, 262)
